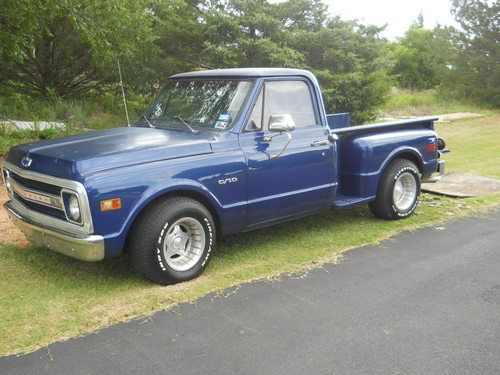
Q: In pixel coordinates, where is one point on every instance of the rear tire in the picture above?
(173, 240)
(398, 192)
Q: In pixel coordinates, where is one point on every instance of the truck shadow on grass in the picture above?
(277, 248)
(287, 240)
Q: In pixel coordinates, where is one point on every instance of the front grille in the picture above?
(41, 208)
(44, 199)
(36, 185)
(38, 196)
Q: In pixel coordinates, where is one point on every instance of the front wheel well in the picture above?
(178, 193)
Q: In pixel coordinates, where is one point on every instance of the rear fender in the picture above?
(405, 152)
(363, 182)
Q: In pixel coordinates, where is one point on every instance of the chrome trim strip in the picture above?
(5, 173)
(3, 179)
(37, 196)
(75, 186)
(88, 248)
(289, 193)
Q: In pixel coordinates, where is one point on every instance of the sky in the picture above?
(398, 14)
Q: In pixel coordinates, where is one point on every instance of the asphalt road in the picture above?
(426, 302)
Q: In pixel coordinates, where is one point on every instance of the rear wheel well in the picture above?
(415, 159)
(178, 193)
(411, 157)
(398, 191)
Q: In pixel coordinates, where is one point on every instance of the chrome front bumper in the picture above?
(89, 248)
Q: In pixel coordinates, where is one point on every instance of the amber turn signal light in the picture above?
(111, 204)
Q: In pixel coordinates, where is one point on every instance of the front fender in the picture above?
(173, 186)
(231, 218)
(138, 186)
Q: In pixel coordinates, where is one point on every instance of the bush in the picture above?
(356, 93)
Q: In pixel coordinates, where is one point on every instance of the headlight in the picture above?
(74, 208)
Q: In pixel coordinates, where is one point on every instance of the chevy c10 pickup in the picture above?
(218, 152)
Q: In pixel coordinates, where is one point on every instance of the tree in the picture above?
(180, 37)
(248, 33)
(416, 60)
(71, 47)
(474, 72)
(347, 58)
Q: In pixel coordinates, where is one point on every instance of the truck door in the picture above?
(300, 180)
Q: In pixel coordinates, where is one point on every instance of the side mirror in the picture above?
(281, 123)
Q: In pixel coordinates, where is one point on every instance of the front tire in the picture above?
(399, 191)
(173, 241)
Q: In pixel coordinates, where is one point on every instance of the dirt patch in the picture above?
(8, 231)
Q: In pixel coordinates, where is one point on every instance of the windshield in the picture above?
(201, 104)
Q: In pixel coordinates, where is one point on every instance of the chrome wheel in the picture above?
(184, 244)
(405, 191)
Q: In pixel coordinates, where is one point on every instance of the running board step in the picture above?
(346, 201)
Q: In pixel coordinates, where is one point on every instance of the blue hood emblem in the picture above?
(26, 162)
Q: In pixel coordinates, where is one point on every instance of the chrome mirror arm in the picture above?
(284, 147)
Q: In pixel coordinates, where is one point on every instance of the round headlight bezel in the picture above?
(72, 206)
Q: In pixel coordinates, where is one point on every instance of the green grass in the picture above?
(474, 145)
(46, 296)
(422, 103)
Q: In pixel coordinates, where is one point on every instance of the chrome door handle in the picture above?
(323, 142)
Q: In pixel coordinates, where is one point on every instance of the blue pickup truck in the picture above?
(218, 152)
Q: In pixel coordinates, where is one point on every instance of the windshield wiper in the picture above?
(194, 131)
(147, 120)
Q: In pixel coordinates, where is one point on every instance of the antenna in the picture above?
(123, 93)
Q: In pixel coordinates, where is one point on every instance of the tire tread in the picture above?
(144, 234)
(381, 207)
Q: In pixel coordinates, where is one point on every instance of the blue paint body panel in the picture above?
(338, 120)
(140, 164)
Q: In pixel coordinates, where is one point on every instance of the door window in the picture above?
(289, 97)
(279, 98)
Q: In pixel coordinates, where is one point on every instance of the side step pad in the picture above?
(344, 201)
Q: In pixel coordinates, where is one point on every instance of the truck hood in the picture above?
(77, 156)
